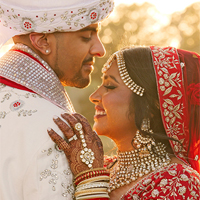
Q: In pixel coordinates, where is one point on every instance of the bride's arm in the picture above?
(84, 151)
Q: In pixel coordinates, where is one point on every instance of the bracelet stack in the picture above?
(92, 184)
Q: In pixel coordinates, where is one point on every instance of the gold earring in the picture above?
(145, 126)
(143, 142)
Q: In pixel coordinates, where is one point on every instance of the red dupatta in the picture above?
(178, 83)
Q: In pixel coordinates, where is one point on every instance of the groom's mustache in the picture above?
(89, 60)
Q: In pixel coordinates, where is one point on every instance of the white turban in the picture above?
(19, 17)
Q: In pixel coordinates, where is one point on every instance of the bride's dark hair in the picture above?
(139, 64)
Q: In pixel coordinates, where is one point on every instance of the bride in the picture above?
(149, 105)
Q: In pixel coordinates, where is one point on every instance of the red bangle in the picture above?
(91, 175)
(101, 198)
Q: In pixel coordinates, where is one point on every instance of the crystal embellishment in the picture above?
(23, 66)
(48, 20)
(87, 155)
(28, 25)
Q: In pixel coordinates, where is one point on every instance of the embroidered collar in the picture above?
(23, 66)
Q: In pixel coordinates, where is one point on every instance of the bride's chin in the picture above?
(101, 127)
(100, 133)
(98, 130)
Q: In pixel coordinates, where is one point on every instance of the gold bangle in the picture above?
(89, 170)
(93, 196)
(91, 191)
(94, 179)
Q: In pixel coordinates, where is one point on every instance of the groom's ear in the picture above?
(41, 42)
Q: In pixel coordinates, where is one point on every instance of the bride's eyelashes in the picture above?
(111, 87)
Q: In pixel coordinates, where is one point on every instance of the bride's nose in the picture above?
(95, 97)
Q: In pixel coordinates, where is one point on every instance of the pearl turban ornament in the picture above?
(19, 17)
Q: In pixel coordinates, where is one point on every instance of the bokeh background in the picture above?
(161, 23)
(138, 22)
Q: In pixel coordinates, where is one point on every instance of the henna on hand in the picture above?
(73, 148)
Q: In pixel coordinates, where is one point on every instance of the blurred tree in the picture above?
(139, 25)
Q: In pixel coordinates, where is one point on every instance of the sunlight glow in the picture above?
(175, 43)
(164, 7)
(161, 16)
(4, 49)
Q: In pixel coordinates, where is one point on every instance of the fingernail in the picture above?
(55, 117)
(48, 129)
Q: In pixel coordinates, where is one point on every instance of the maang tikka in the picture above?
(135, 88)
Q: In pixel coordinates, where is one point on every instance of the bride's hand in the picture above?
(72, 147)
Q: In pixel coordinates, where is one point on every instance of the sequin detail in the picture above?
(6, 97)
(25, 113)
(21, 65)
(53, 176)
(48, 21)
(16, 105)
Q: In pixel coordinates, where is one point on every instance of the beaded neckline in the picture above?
(23, 66)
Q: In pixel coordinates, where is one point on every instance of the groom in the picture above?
(55, 46)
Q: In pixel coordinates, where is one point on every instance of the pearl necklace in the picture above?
(136, 163)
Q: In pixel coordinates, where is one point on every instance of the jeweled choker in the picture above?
(134, 164)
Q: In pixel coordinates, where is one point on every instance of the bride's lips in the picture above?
(99, 112)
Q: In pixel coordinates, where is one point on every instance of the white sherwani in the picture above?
(31, 166)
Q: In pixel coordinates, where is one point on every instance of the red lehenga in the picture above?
(175, 181)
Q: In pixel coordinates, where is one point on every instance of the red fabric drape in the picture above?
(178, 82)
(191, 74)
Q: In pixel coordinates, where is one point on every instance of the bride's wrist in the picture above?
(91, 184)
(91, 173)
